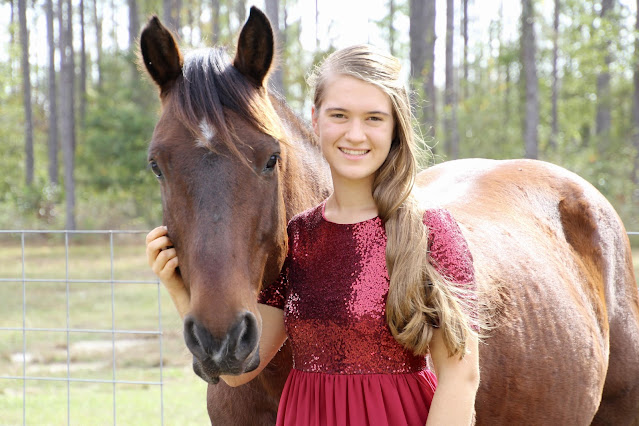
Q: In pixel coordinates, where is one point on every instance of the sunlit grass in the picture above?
(142, 309)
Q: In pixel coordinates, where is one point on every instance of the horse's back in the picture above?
(556, 255)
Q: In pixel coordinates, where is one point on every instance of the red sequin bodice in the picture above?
(333, 291)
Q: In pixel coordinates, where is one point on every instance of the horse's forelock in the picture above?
(210, 85)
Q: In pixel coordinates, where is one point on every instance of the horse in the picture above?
(235, 164)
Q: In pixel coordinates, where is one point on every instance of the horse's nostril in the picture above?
(197, 338)
(247, 337)
(230, 353)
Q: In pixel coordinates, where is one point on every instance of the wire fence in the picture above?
(67, 283)
(38, 320)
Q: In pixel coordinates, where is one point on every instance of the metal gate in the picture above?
(49, 297)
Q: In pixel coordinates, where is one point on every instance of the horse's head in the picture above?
(216, 151)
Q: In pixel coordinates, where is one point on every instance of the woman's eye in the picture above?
(272, 162)
(338, 116)
(155, 168)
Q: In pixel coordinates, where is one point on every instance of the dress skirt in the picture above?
(314, 399)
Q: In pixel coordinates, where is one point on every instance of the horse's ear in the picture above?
(255, 47)
(160, 53)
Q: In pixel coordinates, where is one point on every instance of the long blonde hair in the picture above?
(419, 297)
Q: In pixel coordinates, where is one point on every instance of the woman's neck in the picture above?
(350, 203)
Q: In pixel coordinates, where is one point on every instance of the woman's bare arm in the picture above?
(457, 383)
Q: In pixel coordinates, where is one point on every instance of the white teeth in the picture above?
(353, 151)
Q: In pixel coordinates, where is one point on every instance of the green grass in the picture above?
(93, 356)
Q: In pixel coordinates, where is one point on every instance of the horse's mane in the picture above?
(209, 87)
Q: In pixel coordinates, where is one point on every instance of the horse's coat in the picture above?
(235, 164)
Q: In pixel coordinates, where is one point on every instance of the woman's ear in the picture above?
(314, 114)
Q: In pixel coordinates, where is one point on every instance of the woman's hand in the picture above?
(163, 260)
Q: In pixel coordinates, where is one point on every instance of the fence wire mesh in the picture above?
(81, 313)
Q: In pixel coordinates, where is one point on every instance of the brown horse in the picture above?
(234, 164)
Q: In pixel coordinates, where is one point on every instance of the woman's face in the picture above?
(355, 127)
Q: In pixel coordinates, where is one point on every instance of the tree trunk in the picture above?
(215, 21)
(12, 20)
(317, 41)
(83, 67)
(554, 128)
(603, 119)
(464, 84)
(422, 57)
(635, 108)
(67, 122)
(26, 91)
(273, 12)
(507, 94)
(97, 22)
(528, 52)
(134, 24)
(189, 20)
(167, 13)
(52, 140)
(391, 28)
(285, 55)
(177, 8)
(450, 98)
(240, 10)
(171, 14)
(134, 31)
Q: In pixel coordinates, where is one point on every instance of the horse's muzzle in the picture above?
(235, 353)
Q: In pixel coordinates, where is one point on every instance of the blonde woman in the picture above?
(372, 284)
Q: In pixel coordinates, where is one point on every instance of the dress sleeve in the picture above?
(275, 294)
(450, 255)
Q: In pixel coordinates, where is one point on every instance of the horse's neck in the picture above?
(306, 178)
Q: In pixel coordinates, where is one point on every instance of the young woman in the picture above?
(371, 284)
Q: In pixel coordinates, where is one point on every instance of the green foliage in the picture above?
(117, 190)
(490, 117)
(114, 189)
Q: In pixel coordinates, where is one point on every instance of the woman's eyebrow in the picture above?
(338, 109)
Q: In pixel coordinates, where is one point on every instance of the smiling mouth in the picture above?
(354, 151)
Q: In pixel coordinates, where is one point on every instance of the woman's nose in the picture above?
(355, 132)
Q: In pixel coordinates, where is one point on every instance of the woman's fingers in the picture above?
(155, 233)
(170, 267)
(156, 246)
(164, 256)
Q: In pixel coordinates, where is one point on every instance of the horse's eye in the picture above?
(272, 162)
(156, 169)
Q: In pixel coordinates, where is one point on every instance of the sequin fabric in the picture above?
(333, 291)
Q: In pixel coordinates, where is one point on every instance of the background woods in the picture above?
(556, 80)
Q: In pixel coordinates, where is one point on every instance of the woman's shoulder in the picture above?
(447, 245)
(441, 223)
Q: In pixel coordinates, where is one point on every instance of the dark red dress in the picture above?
(347, 367)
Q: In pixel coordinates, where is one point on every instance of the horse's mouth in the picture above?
(210, 372)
